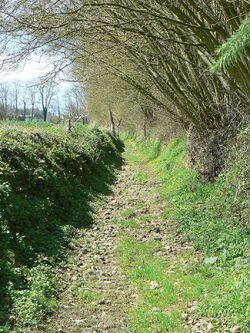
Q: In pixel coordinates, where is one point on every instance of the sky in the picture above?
(31, 69)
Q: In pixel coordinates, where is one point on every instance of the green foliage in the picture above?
(234, 48)
(90, 298)
(214, 217)
(37, 299)
(49, 180)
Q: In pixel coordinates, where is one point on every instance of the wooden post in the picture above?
(69, 126)
(118, 126)
(145, 130)
(32, 110)
(45, 113)
(112, 121)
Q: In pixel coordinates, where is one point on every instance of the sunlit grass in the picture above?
(208, 215)
(160, 309)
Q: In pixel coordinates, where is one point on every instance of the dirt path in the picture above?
(95, 293)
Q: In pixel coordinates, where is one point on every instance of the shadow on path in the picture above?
(38, 225)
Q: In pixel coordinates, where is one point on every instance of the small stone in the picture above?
(158, 238)
(184, 316)
(235, 329)
(104, 302)
(154, 285)
(210, 327)
(79, 321)
(169, 249)
(155, 309)
(192, 309)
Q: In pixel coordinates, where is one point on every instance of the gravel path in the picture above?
(95, 295)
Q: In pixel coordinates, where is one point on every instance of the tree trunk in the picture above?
(58, 112)
(69, 126)
(24, 110)
(17, 111)
(45, 113)
(32, 110)
(206, 152)
(145, 130)
(118, 126)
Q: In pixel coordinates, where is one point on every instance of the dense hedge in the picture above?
(48, 179)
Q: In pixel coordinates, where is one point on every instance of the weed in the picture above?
(141, 177)
(128, 223)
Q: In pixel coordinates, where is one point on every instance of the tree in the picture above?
(16, 92)
(234, 51)
(4, 96)
(168, 45)
(75, 103)
(32, 92)
(47, 93)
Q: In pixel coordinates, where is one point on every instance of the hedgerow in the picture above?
(48, 181)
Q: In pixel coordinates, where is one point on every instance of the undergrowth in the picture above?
(49, 182)
(214, 217)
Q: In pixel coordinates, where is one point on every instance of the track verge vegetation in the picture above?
(50, 181)
(208, 289)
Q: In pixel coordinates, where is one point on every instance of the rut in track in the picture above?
(95, 294)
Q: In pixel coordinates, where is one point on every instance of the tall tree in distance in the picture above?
(32, 92)
(47, 93)
(4, 98)
(16, 92)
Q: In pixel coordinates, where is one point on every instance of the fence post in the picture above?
(69, 126)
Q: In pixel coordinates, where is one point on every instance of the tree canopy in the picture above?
(162, 50)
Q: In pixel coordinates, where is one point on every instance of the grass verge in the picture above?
(214, 217)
